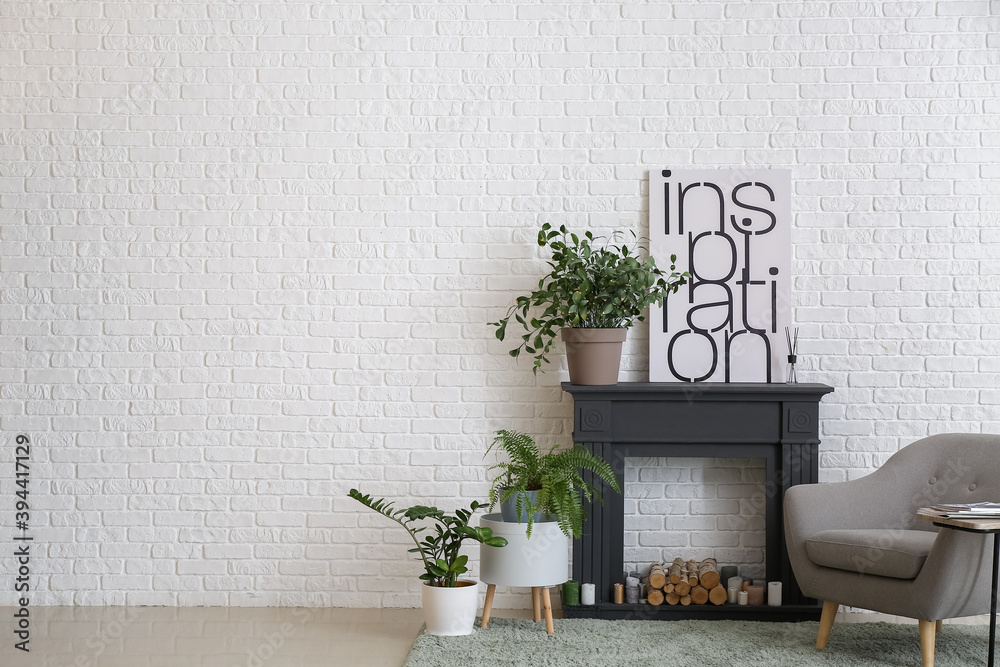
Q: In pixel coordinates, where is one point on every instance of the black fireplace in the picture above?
(776, 422)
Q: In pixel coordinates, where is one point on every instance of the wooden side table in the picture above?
(985, 527)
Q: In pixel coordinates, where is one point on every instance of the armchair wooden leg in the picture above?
(826, 622)
(536, 603)
(488, 605)
(927, 642)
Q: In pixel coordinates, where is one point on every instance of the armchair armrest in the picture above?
(876, 501)
(955, 579)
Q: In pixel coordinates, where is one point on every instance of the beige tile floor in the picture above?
(231, 637)
(214, 637)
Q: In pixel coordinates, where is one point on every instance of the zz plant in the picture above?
(555, 476)
(439, 547)
(589, 286)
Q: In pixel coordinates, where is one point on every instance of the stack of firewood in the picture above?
(685, 582)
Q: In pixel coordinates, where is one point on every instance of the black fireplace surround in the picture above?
(776, 422)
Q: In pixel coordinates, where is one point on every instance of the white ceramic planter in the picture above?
(451, 611)
(542, 560)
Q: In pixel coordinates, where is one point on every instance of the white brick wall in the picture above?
(247, 251)
(695, 508)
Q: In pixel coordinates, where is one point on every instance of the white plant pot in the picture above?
(451, 611)
(542, 560)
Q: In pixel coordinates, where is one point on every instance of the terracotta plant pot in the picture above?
(593, 355)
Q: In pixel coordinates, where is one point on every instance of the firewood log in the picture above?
(657, 578)
(685, 600)
(675, 572)
(708, 573)
(655, 597)
(692, 572)
(717, 595)
(672, 598)
(682, 588)
(699, 595)
(669, 588)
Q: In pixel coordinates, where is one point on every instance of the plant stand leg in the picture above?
(536, 607)
(488, 605)
(547, 604)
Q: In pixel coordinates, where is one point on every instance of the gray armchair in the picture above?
(860, 543)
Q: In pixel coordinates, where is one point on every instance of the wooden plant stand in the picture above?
(540, 601)
(538, 563)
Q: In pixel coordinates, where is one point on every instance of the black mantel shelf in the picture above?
(776, 422)
(702, 388)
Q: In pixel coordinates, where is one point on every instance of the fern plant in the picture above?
(555, 476)
(439, 548)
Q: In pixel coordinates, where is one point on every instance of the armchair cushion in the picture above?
(898, 554)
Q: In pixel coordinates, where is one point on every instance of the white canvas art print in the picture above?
(731, 230)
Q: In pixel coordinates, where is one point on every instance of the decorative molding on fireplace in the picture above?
(776, 422)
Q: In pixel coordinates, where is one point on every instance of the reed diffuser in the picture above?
(792, 339)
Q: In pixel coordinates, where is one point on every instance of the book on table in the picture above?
(967, 510)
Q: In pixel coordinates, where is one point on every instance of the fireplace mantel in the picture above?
(776, 422)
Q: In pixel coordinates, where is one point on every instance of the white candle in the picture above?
(734, 594)
(744, 598)
(735, 582)
(587, 592)
(774, 594)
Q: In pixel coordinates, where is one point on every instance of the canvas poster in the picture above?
(731, 230)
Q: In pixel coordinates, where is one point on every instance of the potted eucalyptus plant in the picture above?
(593, 294)
(536, 486)
(449, 602)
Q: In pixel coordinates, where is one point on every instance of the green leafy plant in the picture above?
(555, 476)
(589, 287)
(439, 548)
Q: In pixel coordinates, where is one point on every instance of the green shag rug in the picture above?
(576, 642)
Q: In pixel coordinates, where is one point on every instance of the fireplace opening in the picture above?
(695, 508)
